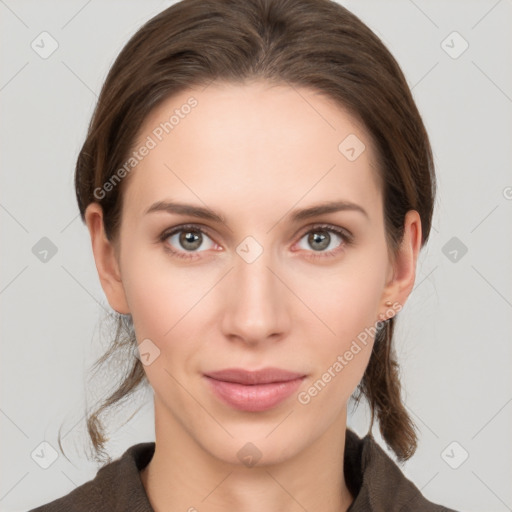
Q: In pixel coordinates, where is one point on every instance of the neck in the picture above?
(183, 476)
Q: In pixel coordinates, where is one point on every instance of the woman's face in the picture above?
(271, 285)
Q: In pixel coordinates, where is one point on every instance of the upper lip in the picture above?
(248, 377)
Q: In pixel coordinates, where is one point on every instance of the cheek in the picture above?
(161, 297)
(340, 353)
(347, 303)
(346, 299)
(166, 306)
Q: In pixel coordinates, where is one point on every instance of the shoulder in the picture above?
(116, 486)
(376, 481)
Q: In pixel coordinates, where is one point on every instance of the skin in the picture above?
(253, 153)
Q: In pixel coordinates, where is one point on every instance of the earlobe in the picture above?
(403, 277)
(106, 260)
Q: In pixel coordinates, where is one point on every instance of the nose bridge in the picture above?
(255, 307)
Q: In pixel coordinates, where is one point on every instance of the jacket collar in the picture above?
(374, 480)
(377, 483)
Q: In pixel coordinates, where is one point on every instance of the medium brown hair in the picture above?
(316, 44)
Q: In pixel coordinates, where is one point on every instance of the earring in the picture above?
(383, 316)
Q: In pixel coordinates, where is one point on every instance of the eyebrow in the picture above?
(296, 215)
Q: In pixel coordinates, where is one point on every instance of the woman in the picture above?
(257, 183)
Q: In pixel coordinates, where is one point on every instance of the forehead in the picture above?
(254, 143)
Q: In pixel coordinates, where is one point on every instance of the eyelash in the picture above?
(347, 239)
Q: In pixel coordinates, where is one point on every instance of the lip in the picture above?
(253, 391)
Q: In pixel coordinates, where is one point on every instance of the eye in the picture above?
(186, 239)
(326, 240)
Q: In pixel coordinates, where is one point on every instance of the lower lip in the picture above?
(253, 398)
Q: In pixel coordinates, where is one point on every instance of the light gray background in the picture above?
(454, 338)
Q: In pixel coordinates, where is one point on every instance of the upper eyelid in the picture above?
(166, 233)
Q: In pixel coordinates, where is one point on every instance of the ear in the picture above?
(402, 272)
(105, 256)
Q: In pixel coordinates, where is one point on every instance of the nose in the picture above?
(256, 302)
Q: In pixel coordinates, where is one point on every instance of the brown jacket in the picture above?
(373, 478)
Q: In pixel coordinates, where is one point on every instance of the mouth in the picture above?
(253, 391)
